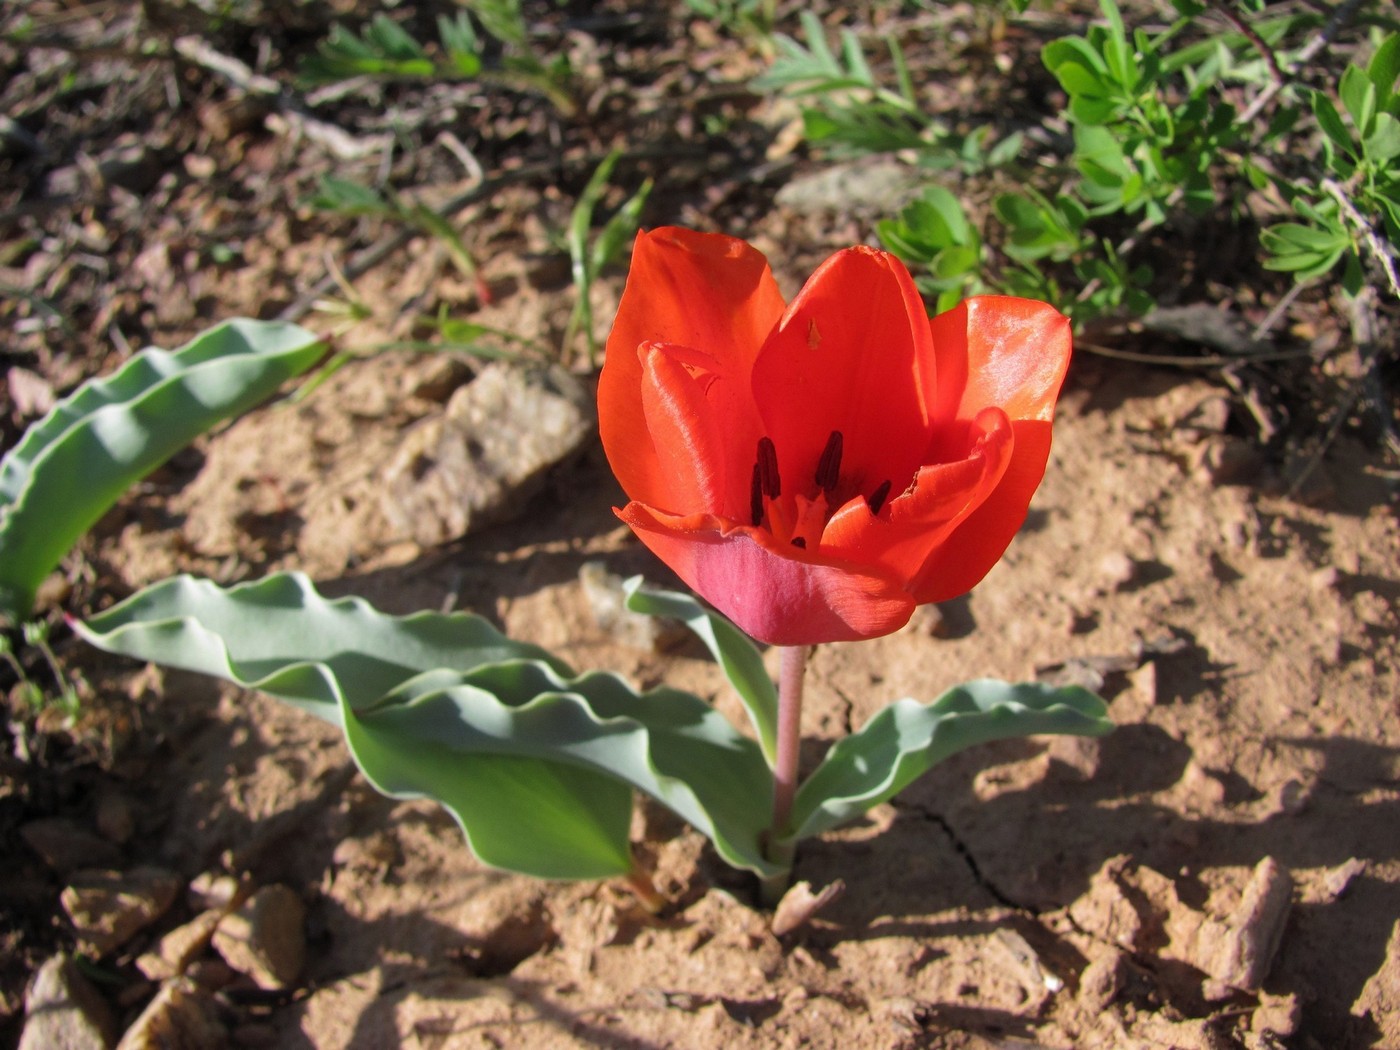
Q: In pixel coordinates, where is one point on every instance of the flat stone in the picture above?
(108, 908)
(173, 953)
(180, 1017)
(265, 938)
(1239, 952)
(63, 1011)
(479, 462)
(878, 185)
(1380, 996)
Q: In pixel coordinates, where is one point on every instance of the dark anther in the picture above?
(768, 468)
(876, 499)
(756, 496)
(799, 542)
(829, 466)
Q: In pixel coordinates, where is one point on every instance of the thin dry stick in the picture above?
(1340, 16)
(340, 142)
(1379, 249)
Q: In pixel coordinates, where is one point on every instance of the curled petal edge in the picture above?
(774, 596)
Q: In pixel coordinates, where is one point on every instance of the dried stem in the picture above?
(1340, 15)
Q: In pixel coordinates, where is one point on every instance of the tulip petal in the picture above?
(704, 431)
(901, 538)
(846, 358)
(772, 595)
(690, 289)
(979, 541)
(999, 350)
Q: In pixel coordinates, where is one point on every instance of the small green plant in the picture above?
(383, 49)
(745, 18)
(1353, 210)
(1155, 138)
(589, 255)
(848, 110)
(343, 197)
(63, 697)
(538, 763)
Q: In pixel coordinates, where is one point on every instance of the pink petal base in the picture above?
(772, 596)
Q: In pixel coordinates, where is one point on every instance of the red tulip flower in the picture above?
(816, 470)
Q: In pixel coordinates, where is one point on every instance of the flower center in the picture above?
(800, 517)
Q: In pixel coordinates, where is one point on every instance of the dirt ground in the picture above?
(1222, 871)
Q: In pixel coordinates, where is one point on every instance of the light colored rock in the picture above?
(173, 953)
(608, 602)
(800, 903)
(217, 890)
(1380, 996)
(1239, 952)
(1275, 1018)
(265, 938)
(63, 1011)
(108, 908)
(1339, 879)
(180, 1017)
(487, 454)
(879, 185)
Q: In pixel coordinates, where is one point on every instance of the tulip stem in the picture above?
(790, 674)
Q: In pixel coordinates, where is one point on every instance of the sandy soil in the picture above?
(1042, 893)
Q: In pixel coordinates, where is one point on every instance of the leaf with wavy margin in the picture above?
(907, 738)
(535, 764)
(72, 465)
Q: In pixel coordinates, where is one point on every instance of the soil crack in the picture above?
(965, 852)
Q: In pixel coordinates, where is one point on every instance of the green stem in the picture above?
(790, 675)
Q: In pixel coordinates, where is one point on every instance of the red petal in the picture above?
(704, 429)
(706, 291)
(901, 538)
(1000, 350)
(846, 357)
(959, 564)
(772, 595)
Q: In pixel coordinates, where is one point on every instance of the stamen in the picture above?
(756, 496)
(799, 542)
(829, 466)
(767, 467)
(876, 499)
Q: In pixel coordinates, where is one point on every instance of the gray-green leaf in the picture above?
(736, 655)
(73, 464)
(907, 738)
(536, 765)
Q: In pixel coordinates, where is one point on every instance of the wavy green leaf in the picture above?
(907, 738)
(732, 649)
(281, 636)
(73, 464)
(537, 766)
